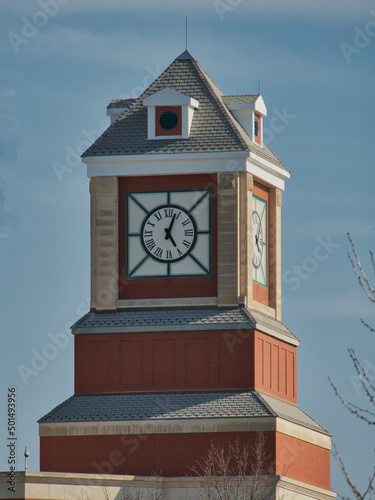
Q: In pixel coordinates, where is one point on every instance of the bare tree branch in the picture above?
(236, 472)
(359, 271)
(365, 414)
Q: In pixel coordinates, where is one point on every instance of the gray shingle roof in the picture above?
(168, 406)
(177, 319)
(213, 130)
(240, 99)
(120, 103)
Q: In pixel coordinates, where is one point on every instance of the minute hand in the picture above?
(167, 230)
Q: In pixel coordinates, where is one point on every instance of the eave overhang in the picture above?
(174, 164)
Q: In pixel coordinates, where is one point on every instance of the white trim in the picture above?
(149, 303)
(185, 163)
(169, 97)
(186, 425)
(167, 426)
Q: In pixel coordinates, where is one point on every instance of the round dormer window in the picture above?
(168, 120)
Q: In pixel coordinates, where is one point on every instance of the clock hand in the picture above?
(168, 236)
(167, 230)
(171, 224)
(172, 240)
(257, 237)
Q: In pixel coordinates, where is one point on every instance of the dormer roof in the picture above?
(214, 129)
(170, 97)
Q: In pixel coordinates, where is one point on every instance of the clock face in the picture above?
(168, 234)
(259, 243)
(257, 240)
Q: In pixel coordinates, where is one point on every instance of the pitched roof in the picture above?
(153, 320)
(214, 129)
(173, 406)
(120, 103)
(240, 99)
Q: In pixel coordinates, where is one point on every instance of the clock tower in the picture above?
(184, 343)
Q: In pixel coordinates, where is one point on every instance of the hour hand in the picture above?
(168, 236)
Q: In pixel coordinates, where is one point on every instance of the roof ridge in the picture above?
(228, 115)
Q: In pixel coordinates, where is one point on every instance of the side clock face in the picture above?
(168, 234)
(259, 223)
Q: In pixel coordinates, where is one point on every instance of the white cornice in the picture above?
(187, 163)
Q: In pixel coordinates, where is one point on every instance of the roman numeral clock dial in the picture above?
(168, 234)
(259, 244)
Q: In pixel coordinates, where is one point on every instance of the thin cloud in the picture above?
(335, 9)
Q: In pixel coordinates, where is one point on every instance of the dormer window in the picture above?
(249, 111)
(257, 128)
(169, 114)
(168, 120)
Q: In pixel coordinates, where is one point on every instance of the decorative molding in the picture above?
(227, 181)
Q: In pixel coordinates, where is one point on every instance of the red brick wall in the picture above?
(164, 454)
(303, 461)
(173, 361)
(166, 287)
(275, 367)
(176, 454)
(155, 361)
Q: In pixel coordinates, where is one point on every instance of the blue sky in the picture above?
(61, 62)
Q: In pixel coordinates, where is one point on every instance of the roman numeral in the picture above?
(150, 244)
(179, 253)
(189, 232)
(169, 254)
(186, 221)
(186, 243)
(168, 212)
(158, 216)
(148, 234)
(158, 253)
(177, 216)
(148, 222)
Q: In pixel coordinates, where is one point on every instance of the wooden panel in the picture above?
(283, 371)
(197, 361)
(290, 375)
(275, 367)
(275, 375)
(131, 361)
(163, 362)
(230, 366)
(98, 364)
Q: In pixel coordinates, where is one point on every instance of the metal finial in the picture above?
(26, 455)
(186, 31)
